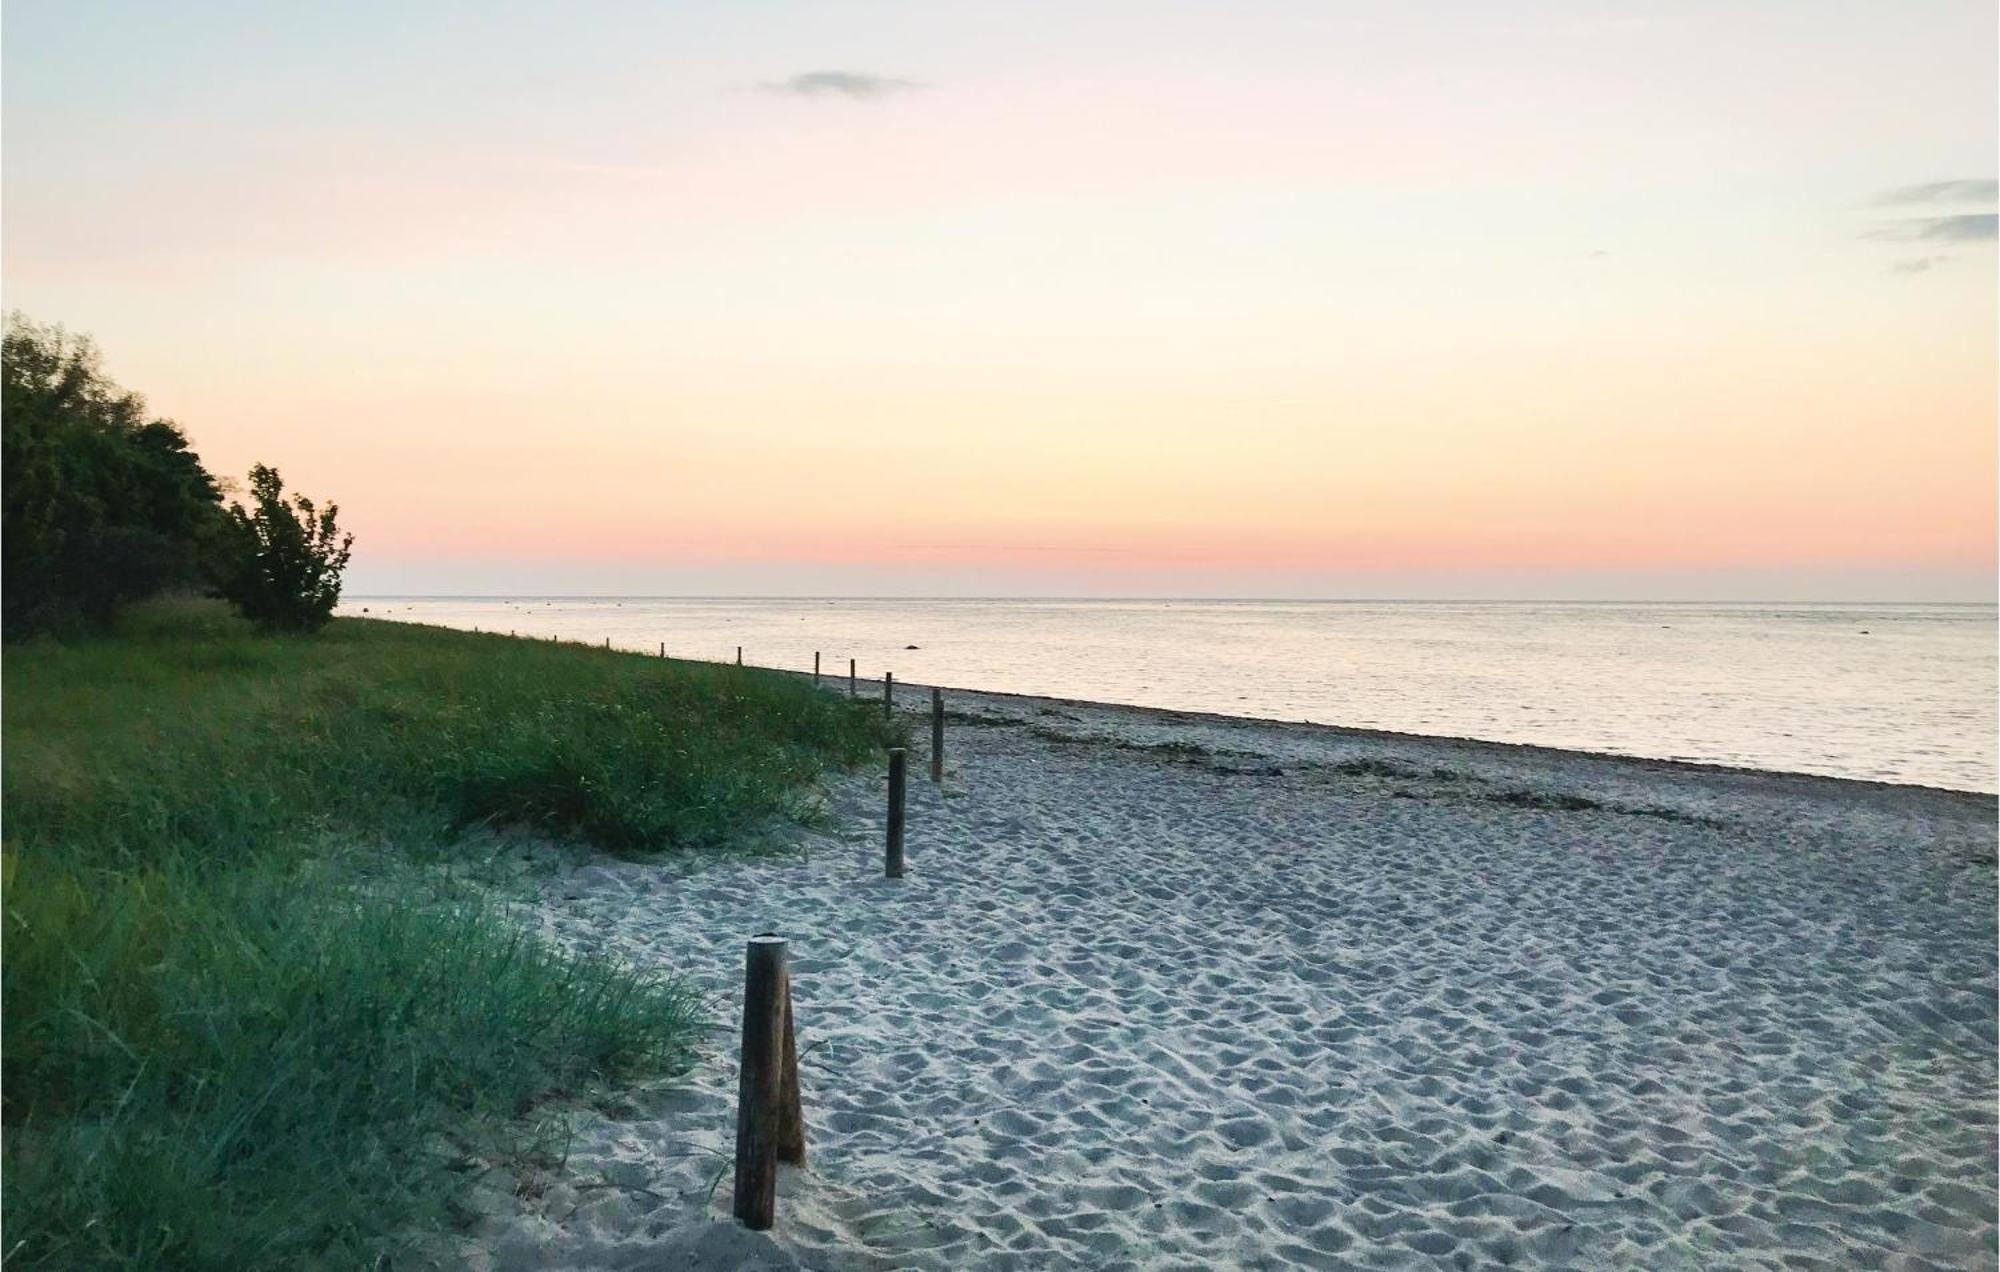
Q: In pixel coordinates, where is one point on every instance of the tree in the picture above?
(102, 505)
(286, 557)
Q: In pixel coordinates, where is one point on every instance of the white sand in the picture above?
(1149, 1008)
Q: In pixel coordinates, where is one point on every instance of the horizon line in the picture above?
(1252, 600)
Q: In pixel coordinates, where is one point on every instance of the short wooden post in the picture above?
(739, 655)
(888, 693)
(937, 734)
(893, 863)
(760, 1081)
(815, 666)
(663, 649)
(607, 642)
(791, 1117)
(850, 677)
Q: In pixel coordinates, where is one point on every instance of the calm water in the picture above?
(1899, 693)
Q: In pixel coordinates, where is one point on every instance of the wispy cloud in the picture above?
(1917, 264)
(1982, 190)
(1966, 227)
(1949, 230)
(857, 85)
(1001, 547)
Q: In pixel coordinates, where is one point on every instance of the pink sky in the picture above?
(1378, 300)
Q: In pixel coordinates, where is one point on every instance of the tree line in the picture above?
(105, 506)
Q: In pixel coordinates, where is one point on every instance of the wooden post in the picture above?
(791, 1118)
(663, 649)
(815, 666)
(760, 1081)
(893, 864)
(888, 693)
(739, 655)
(607, 642)
(850, 677)
(937, 734)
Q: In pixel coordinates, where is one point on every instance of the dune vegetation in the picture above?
(255, 1015)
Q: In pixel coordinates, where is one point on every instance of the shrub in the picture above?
(286, 557)
(102, 505)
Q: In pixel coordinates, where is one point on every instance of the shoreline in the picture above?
(1445, 741)
(831, 682)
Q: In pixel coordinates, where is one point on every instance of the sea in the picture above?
(1893, 693)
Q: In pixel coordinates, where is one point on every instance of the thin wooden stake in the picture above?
(850, 677)
(893, 863)
(663, 649)
(760, 1081)
(888, 693)
(739, 655)
(937, 734)
(815, 666)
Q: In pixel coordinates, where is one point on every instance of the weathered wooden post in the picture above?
(739, 655)
(791, 1116)
(850, 677)
(893, 863)
(663, 649)
(888, 693)
(767, 1078)
(607, 642)
(815, 666)
(937, 734)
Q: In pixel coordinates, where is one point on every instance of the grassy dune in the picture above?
(241, 1011)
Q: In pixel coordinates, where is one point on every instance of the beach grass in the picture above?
(249, 1022)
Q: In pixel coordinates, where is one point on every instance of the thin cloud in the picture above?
(1000, 547)
(1966, 227)
(856, 85)
(1917, 264)
(1973, 191)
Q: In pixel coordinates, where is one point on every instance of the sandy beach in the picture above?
(1176, 991)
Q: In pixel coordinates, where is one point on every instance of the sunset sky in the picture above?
(1314, 299)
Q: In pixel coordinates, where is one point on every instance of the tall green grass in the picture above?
(236, 1029)
(187, 734)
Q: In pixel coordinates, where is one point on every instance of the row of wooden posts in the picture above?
(770, 1126)
(770, 1123)
(895, 756)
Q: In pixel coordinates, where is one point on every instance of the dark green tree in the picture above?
(102, 505)
(286, 557)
